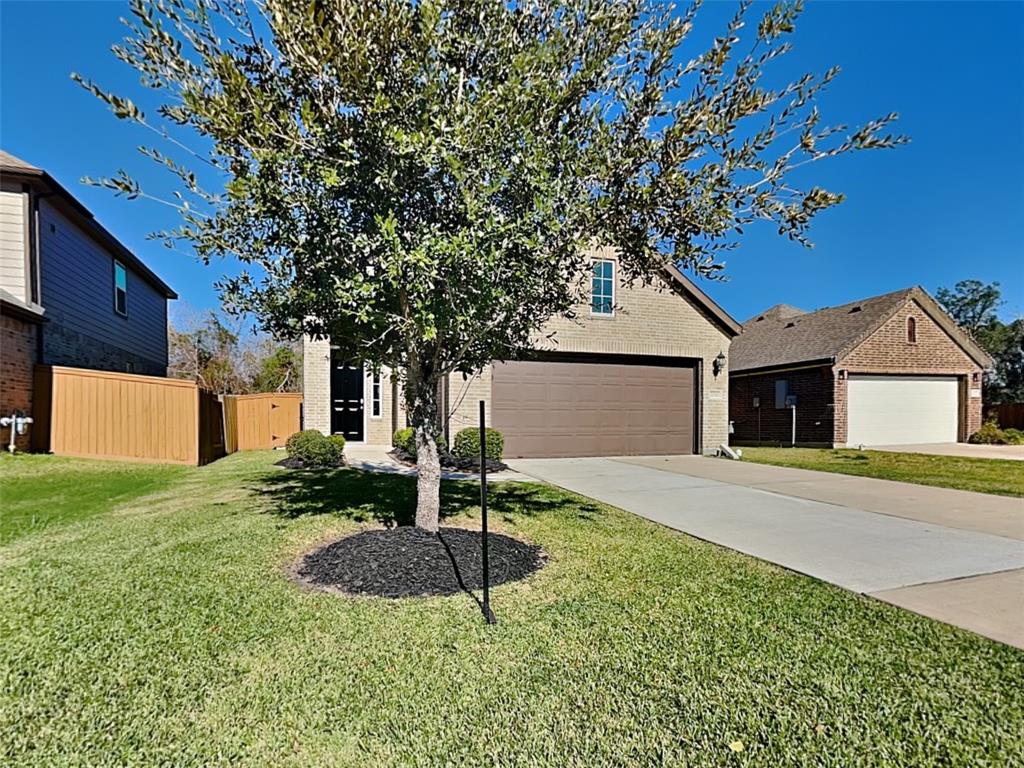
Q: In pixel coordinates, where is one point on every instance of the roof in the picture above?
(15, 166)
(784, 335)
(719, 315)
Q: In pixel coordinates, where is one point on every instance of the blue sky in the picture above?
(949, 206)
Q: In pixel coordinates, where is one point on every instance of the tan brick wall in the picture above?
(651, 320)
(316, 384)
(654, 320)
(887, 350)
(17, 360)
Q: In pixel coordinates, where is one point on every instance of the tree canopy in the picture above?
(421, 181)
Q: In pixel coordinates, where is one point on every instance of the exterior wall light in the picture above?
(718, 364)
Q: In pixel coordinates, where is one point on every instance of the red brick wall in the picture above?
(814, 413)
(17, 359)
(887, 350)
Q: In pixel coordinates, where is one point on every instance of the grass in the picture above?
(1003, 477)
(164, 630)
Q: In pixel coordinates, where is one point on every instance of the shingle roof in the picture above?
(9, 161)
(784, 335)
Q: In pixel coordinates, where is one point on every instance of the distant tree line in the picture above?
(227, 360)
(975, 306)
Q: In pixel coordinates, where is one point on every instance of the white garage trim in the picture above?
(900, 410)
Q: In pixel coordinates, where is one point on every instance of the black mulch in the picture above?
(451, 462)
(291, 463)
(409, 562)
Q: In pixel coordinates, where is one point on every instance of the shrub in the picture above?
(989, 434)
(405, 439)
(467, 444)
(1013, 436)
(314, 449)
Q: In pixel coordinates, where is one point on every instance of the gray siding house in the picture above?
(95, 304)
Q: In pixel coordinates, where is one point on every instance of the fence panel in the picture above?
(1008, 415)
(211, 428)
(267, 420)
(99, 414)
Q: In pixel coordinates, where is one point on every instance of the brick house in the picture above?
(70, 293)
(889, 370)
(634, 373)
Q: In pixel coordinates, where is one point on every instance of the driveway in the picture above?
(920, 547)
(1011, 452)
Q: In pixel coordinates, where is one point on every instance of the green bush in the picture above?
(467, 444)
(314, 449)
(989, 434)
(405, 439)
(1013, 436)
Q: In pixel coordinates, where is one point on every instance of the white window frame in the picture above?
(594, 263)
(119, 265)
(376, 395)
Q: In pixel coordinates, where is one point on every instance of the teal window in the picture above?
(120, 289)
(602, 288)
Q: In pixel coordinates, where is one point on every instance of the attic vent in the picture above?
(856, 309)
(759, 319)
(790, 324)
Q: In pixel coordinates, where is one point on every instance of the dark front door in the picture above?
(347, 400)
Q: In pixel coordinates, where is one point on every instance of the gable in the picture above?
(887, 348)
(657, 319)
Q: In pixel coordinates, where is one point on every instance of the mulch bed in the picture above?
(290, 463)
(450, 462)
(410, 562)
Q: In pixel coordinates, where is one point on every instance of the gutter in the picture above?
(782, 368)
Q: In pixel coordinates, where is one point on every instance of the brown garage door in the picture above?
(568, 408)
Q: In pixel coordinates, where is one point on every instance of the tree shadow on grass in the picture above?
(390, 499)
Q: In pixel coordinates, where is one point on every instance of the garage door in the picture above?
(898, 410)
(569, 408)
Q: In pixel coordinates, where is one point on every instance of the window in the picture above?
(120, 289)
(602, 288)
(375, 390)
(911, 330)
(781, 392)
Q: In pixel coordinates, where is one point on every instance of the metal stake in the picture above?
(488, 615)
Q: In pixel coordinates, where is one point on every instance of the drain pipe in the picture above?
(18, 423)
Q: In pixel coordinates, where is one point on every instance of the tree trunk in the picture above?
(424, 412)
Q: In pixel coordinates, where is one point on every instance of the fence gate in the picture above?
(254, 422)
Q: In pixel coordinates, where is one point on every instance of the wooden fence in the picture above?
(254, 422)
(1008, 415)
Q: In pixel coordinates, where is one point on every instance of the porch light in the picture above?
(718, 364)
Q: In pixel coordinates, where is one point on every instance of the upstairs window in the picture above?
(120, 289)
(911, 330)
(602, 288)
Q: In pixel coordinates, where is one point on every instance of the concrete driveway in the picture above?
(969, 450)
(920, 547)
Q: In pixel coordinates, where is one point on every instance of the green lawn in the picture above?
(164, 630)
(999, 476)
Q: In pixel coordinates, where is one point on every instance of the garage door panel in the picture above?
(567, 408)
(901, 410)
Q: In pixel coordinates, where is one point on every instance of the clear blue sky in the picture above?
(947, 207)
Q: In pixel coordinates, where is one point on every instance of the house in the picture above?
(70, 293)
(639, 371)
(889, 370)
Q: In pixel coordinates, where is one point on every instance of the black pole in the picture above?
(483, 516)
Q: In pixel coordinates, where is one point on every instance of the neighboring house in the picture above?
(634, 374)
(70, 293)
(889, 370)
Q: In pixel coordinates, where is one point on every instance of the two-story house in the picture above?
(642, 370)
(70, 293)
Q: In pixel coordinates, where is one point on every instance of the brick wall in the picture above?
(813, 388)
(464, 396)
(316, 384)
(17, 360)
(888, 350)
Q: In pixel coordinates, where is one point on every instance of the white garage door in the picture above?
(898, 410)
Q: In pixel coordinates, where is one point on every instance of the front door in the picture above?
(347, 400)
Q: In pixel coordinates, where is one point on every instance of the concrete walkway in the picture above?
(968, 450)
(875, 537)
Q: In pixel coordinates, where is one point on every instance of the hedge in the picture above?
(314, 449)
(467, 444)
